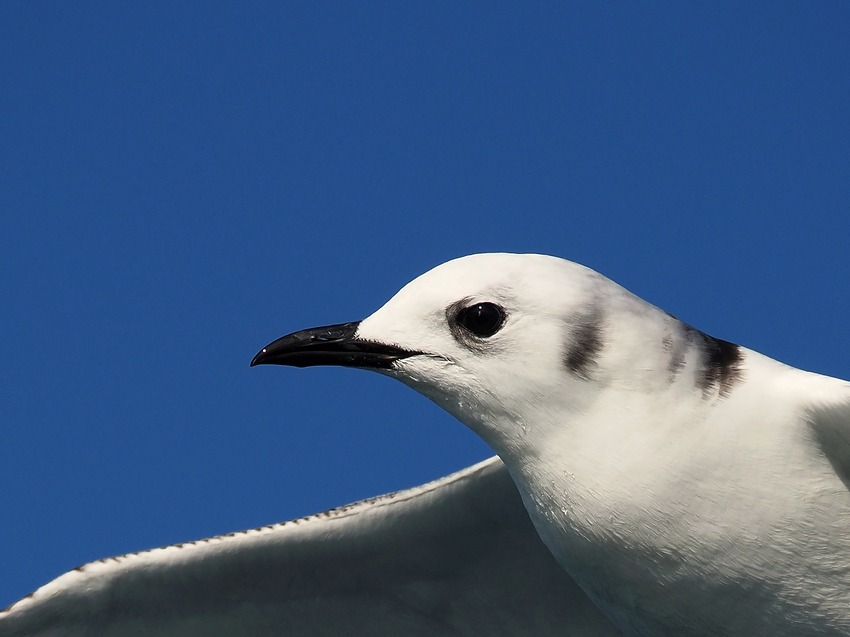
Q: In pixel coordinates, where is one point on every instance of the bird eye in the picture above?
(482, 319)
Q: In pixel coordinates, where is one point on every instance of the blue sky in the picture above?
(181, 184)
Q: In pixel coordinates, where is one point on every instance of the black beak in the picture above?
(329, 345)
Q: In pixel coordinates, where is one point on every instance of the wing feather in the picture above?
(457, 556)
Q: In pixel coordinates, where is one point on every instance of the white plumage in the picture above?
(688, 485)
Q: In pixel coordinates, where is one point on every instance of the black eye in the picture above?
(482, 319)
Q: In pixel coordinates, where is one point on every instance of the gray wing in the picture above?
(457, 556)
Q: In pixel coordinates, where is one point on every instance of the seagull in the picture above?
(689, 485)
(456, 557)
(677, 482)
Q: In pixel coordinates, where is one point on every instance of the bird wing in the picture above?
(457, 556)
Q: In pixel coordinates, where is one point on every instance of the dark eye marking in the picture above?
(585, 344)
(473, 323)
(481, 319)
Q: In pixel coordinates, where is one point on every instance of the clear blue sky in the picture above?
(181, 183)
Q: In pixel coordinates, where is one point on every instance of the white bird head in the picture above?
(507, 341)
(628, 434)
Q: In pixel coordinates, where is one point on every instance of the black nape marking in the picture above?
(585, 345)
(721, 362)
(677, 348)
